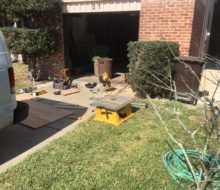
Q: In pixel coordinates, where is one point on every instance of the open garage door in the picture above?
(99, 28)
(99, 34)
(214, 43)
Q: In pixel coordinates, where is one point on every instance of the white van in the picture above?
(10, 110)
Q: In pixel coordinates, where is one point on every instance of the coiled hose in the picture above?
(176, 164)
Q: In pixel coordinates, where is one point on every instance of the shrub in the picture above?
(35, 37)
(29, 42)
(149, 60)
(22, 8)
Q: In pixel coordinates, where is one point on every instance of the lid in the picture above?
(105, 59)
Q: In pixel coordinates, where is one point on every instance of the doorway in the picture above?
(211, 31)
(88, 35)
(214, 43)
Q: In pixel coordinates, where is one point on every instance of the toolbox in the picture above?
(59, 84)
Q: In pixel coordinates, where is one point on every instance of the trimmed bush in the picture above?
(19, 9)
(30, 42)
(149, 61)
(34, 39)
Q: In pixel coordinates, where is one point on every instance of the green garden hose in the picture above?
(178, 168)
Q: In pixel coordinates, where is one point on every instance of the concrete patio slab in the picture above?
(18, 141)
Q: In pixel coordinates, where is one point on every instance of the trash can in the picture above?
(187, 78)
(105, 65)
(96, 65)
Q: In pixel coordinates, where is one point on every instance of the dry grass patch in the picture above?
(22, 78)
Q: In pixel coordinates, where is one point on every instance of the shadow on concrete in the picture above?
(16, 139)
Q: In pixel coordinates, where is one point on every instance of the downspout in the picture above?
(204, 28)
(206, 19)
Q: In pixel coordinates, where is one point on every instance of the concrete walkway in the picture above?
(18, 141)
(209, 80)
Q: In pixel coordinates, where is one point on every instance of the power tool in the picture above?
(105, 80)
(65, 80)
(65, 75)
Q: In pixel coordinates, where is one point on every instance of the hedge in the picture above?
(34, 42)
(150, 61)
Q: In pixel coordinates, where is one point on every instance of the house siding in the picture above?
(173, 20)
(180, 21)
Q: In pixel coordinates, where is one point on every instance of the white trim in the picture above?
(93, 6)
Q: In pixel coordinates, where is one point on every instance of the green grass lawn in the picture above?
(21, 80)
(99, 156)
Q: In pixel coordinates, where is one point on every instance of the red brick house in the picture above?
(93, 27)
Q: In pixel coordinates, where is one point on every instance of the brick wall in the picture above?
(52, 64)
(173, 20)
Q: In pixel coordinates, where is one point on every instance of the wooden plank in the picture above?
(70, 91)
(42, 114)
(27, 96)
(39, 92)
(75, 117)
(66, 104)
(71, 107)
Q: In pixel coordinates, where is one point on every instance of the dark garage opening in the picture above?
(98, 34)
(214, 44)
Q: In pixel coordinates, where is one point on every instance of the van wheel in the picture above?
(21, 112)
